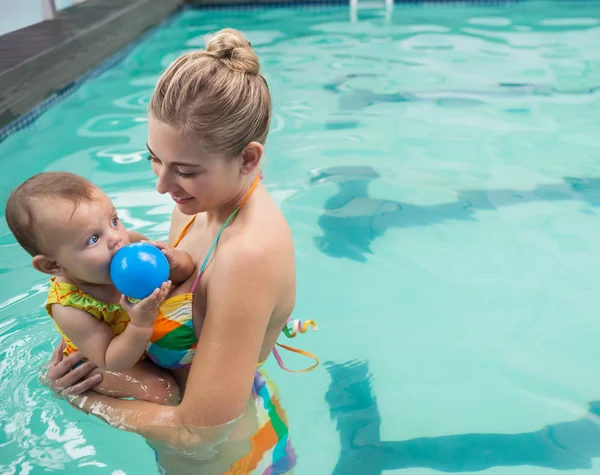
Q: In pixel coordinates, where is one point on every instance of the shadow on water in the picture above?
(353, 406)
(352, 219)
(360, 98)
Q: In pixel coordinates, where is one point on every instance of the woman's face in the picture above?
(197, 180)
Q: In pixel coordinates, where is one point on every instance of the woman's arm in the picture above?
(241, 298)
(150, 420)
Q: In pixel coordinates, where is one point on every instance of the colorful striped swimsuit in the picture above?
(173, 341)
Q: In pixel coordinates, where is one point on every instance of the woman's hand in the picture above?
(66, 381)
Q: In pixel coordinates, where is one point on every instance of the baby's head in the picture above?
(68, 226)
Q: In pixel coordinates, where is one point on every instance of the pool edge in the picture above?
(38, 62)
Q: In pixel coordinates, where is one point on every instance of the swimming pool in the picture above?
(440, 174)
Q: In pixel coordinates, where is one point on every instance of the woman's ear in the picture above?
(251, 156)
(46, 265)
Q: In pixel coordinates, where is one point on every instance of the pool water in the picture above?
(440, 174)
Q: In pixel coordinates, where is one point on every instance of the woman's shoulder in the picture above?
(266, 231)
(257, 259)
(260, 272)
(263, 240)
(271, 242)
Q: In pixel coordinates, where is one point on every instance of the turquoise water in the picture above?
(439, 170)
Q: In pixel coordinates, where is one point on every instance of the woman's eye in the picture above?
(185, 175)
(153, 159)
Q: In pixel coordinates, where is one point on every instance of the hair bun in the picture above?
(232, 48)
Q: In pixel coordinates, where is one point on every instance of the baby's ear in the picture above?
(46, 265)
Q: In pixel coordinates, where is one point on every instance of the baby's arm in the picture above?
(180, 262)
(99, 344)
(182, 266)
(134, 236)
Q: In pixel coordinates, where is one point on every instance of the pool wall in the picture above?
(42, 61)
(39, 61)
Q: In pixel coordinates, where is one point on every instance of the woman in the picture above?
(208, 121)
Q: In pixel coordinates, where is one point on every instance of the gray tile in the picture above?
(41, 59)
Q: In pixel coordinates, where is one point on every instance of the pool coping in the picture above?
(41, 63)
(41, 60)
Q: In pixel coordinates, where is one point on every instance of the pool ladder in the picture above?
(356, 5)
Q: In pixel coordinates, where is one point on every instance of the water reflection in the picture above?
(352, 219)
(356, 99)
(353, 406)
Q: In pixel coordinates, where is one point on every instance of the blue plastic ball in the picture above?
(137, 269)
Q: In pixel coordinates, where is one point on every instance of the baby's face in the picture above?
(85, 240)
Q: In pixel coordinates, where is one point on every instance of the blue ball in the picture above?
(137, 269)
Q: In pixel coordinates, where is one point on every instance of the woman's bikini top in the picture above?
(173, 341)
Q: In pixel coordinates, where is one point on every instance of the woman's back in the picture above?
(264, 227)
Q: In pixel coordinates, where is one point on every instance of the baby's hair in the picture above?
(31, 196)
(217, 94)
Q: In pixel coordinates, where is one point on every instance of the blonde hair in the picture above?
(218, 94)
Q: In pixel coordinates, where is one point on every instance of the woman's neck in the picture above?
(218, 216)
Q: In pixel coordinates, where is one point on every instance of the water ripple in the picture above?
(445, 156)
(30, 420)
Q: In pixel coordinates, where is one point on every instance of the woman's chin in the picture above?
(189, 207)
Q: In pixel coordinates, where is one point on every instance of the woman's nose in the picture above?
(162, 184)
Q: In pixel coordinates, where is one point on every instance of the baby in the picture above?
(72, 231)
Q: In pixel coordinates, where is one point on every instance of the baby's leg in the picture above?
(145, 381)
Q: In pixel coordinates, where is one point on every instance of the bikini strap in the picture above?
(225, 224)
(296, 327)
(184, 231)
(294, 350)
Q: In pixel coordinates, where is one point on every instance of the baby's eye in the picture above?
(114, 221)
(93, 240)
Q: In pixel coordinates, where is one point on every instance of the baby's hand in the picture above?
(181, 263)
(143, 313)
(174, 257)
